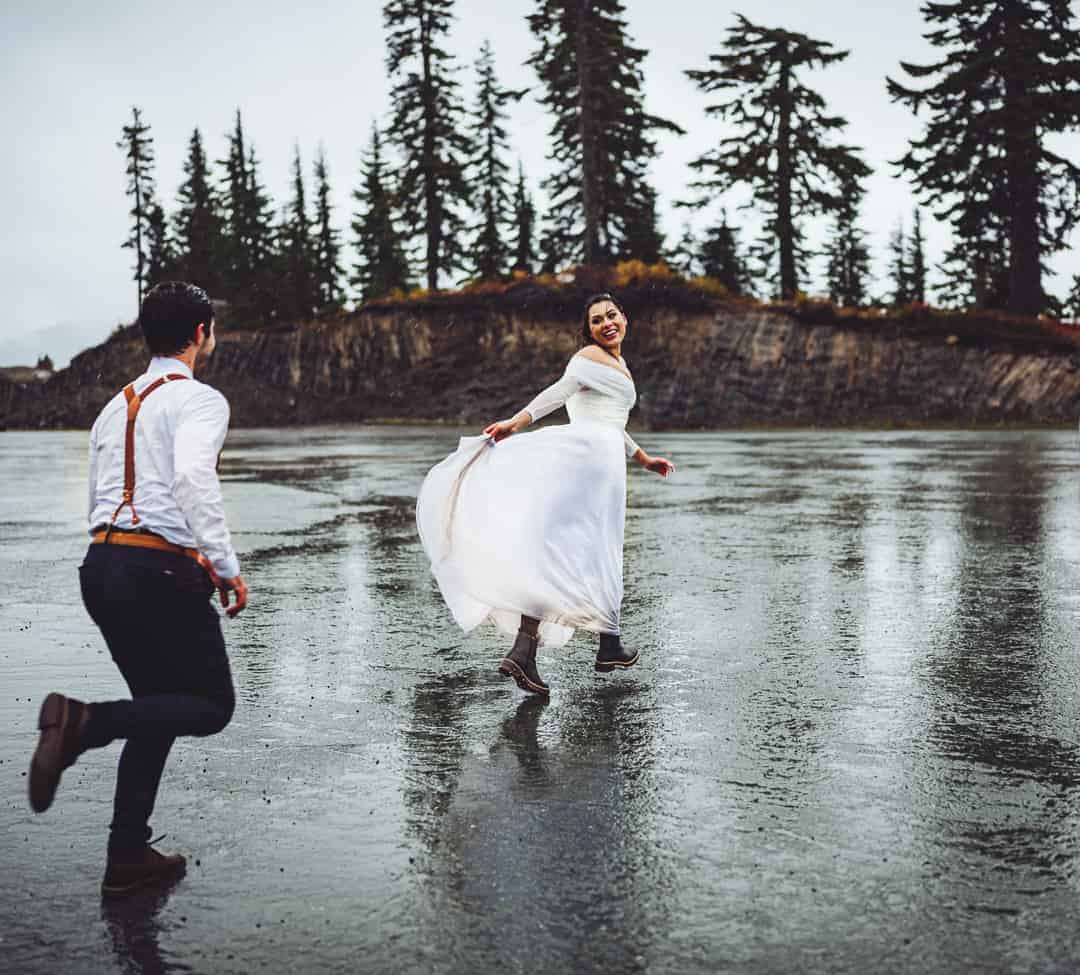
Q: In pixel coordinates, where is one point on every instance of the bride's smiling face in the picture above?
(607, 324)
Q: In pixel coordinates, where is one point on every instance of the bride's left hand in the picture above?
(659, 465)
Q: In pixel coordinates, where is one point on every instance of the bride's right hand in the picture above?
(500, 430)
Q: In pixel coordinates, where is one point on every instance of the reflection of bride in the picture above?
(537, 829)
(529, 533)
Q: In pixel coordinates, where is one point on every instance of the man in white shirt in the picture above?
(159, 549)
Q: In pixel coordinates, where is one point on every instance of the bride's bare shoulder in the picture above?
(594, 354)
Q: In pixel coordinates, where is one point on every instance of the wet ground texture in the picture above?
(852, 743)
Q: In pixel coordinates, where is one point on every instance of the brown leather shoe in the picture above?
(520, 663)
(133, 872)
(613, 654)
(62, 721)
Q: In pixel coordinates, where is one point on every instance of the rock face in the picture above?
(471, 362)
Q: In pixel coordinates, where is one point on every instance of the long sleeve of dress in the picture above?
(631, 447)
(550, 399)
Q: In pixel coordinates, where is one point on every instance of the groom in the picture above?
(159, 547)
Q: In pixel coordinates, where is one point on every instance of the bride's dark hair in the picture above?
(586, 332)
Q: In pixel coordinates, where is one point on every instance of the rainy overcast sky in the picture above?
(72, 71)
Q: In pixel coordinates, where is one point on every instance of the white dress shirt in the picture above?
(179, 432)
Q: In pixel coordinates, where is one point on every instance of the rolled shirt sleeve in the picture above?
(200, 434)
(550, 399)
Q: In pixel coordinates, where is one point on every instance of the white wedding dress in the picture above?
(533, 525)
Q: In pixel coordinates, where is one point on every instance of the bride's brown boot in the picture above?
(520, 663)
(613, 654)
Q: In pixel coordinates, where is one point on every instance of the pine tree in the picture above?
(721, 259)
(237, 262)
(916, 261)
(327, 246)
(199, 230)
(161, 263)
(1072, 301)
(1008, 75)
(262, 243)
(138, 149)
(383, 268)
(847, 270)
(641, 236)
(490, 173)
(684, 256)
(601, 204)
(780, 145)
(975, 269)
(297, 297)
(899, 268)
(428, 129)
(524, 221)
(249, 235)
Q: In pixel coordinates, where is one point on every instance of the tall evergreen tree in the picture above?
(261, 241)
(199, 229)
(720, 258)
(1072, 300)
(916, 260)
(428, 129)
(238, 272)
(383, 268)
(138, 149)
(296, 251)
(161, 261)
(601, 204)
(780, 146)
(327, 245)
(975, 269)
(249, 234)
(1008, 75)
(847, 255)
(684, 256)
(641, 238)
(490, 174)
(524, 222)
(899, 267)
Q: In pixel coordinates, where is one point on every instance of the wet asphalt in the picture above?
(852, 743)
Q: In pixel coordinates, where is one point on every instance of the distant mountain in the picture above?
(60, 342)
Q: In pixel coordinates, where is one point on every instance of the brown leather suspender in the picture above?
(134, 401)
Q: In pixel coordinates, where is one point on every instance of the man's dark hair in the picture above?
(170, 313)
(586, 332)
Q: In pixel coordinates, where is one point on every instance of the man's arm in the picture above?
(91, 474)
(200, 434)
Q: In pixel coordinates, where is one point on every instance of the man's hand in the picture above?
(236, 585)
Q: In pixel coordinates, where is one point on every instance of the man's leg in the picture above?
(166, 639)
(154, 611)
(199, 702)
(138, 776)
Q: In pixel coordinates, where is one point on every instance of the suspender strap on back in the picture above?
(134, 401)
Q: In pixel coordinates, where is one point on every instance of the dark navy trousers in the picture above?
(154, 610)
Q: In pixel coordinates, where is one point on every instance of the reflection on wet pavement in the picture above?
(852, 745)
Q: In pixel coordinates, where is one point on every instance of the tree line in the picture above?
(438, 199)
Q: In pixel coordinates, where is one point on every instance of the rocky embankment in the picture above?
(468, 359)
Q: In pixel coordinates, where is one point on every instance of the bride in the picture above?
(528, 530)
